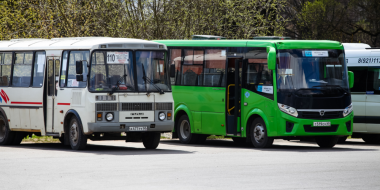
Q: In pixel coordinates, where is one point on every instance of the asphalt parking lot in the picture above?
(217, 164)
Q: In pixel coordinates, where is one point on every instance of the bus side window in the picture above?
(192, 68)
(215, 67)
(39, 66)
(373, 80)
(71, 77)
(22, 70)
(63, 70)
(5, 68)
(175, 59)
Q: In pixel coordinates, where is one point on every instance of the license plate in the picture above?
(143, 128)
(322, 124)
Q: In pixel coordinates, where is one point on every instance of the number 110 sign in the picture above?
(118, 57)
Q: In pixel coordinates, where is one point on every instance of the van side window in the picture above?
(5, 68)
(373, 81)
(22, 69)
(360, 79)
(39, 67)
(71, 77)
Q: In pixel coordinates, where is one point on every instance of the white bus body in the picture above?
(364, 61)
(40, 93)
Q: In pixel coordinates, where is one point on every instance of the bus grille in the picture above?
(106, 107)
(317, 115)
(310, 129)
(137, 106)
(164, 106)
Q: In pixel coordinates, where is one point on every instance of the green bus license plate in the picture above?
(321, 124)
(144, 128)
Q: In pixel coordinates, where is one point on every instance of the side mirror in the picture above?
(79, 67)
(271, 58)
(172, 70)
(350, 79)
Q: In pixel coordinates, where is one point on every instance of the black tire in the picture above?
(183, 129)
(239, 140)
(259, 135)
(18, 138)
(78, 140)
(326, 141)
(6, 135)
(342, 140)
(151, 140)
(371, 138)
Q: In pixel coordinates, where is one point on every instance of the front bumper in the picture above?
(161, 126)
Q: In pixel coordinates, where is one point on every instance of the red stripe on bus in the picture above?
(26, 102)
(64, 104)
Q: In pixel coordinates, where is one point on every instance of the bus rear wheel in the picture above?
(78, 140)
(326, 141)
(259, 134)
(151, 140)
(6, 135)
(184, 131)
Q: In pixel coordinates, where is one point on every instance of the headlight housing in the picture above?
(288, 110)
(161, 116)
(109, 116)
(347, 110)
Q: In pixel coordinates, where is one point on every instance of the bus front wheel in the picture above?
(259, 134)
(151, 140)
(184, 131)
(78, 140)
(6, 135)
(326, 141)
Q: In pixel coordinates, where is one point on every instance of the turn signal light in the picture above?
(99, 116)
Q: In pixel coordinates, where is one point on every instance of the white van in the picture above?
(364, 61)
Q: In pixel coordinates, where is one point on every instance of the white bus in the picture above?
(76, 89)
(364, 61)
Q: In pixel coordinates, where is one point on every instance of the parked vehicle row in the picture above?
(253, 91)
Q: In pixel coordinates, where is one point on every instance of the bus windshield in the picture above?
(113, 71)
(312, 73)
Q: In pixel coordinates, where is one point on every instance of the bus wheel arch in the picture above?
(257, 131)
(72, 118)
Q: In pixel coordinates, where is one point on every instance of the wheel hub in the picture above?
(184, 129)
(74, 134)
(259, 132)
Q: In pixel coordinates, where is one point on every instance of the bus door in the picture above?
(233, 95)
(53, 64)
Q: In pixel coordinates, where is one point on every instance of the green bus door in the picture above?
(233, 95)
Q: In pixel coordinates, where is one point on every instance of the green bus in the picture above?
(256, 91)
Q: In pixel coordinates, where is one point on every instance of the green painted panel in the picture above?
(197, 121)
(213, 123)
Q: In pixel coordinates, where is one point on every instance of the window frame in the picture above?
(67, 68)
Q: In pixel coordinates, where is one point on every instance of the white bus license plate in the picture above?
(143, 128)
(322, 124)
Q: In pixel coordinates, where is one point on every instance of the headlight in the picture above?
(109, 116)
(161, 116)
(287, 109)
(347, 110)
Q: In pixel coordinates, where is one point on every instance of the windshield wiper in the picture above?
(150, 82)
(115, 88)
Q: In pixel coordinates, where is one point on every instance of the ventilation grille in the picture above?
(137, 106)
(106, 107)
(310, 129)
(115, 45)
(164, 106)
(77, 98)
(317, 115)
(151, 46)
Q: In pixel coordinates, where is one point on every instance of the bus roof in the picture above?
(77, 43)
(279, 44)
